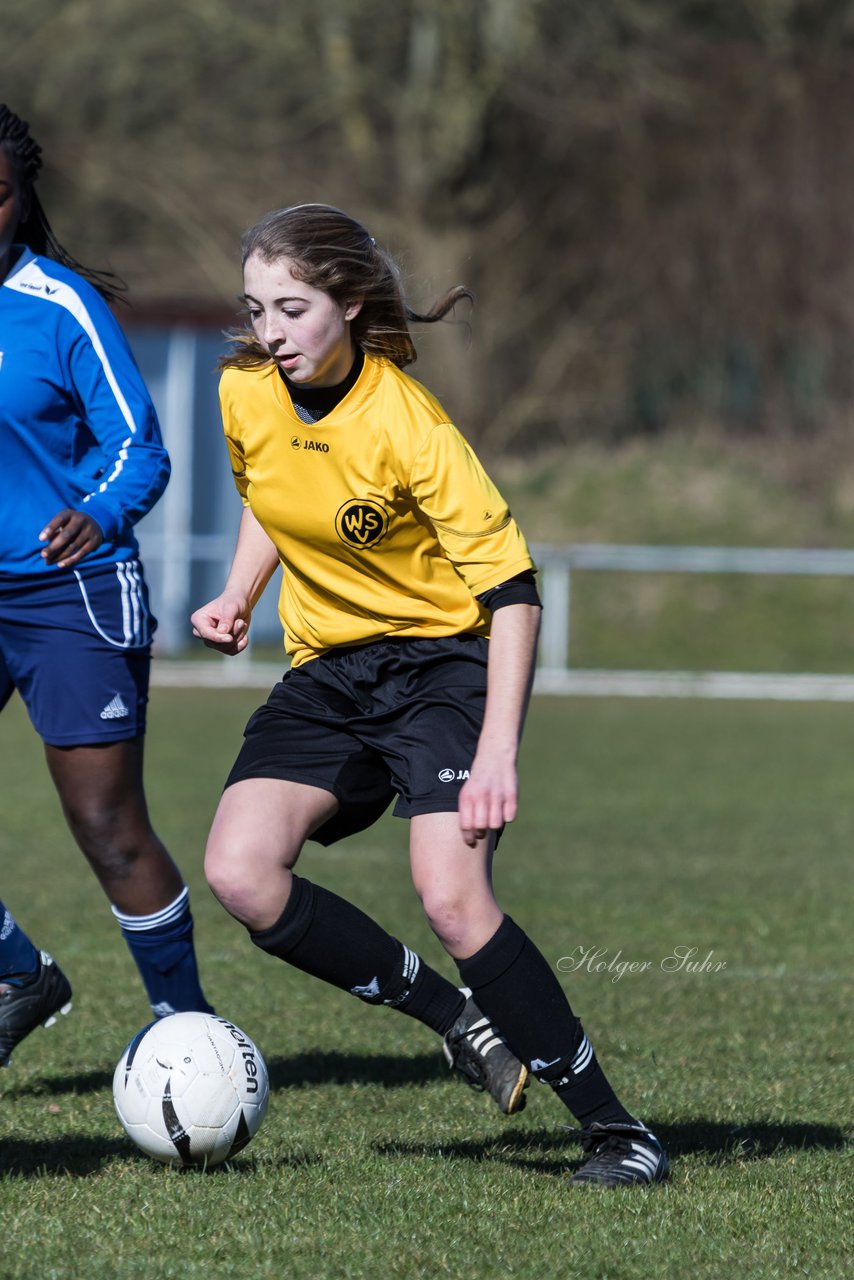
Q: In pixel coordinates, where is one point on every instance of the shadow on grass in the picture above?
(390, 1071)
(52, 1086)
(549, 1151)
(76, 1156)
(556, 1150)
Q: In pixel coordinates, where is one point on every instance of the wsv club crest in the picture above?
(361, 523)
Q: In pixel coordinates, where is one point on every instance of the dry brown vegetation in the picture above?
(652, 199)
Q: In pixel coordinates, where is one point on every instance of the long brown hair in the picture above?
(34, 230)
(332, 251)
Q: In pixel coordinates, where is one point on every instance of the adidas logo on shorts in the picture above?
(115, 709)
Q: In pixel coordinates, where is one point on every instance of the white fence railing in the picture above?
(557, 564)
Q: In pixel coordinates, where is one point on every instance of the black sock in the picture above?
(331, 939)
(515, 988)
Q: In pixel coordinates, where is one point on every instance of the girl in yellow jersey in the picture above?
(410, 612)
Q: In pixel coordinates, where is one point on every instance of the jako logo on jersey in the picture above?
(315, 446)
(453, 775)
(361, 523)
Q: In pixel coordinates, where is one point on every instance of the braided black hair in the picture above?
(24, 150)
(34, 230)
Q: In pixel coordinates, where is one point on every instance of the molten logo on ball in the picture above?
(191, 1089)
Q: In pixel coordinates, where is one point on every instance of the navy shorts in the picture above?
(76, 644)
(396, 718)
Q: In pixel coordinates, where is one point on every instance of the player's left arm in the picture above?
(469, 516)
(490, 796)
(132, 464)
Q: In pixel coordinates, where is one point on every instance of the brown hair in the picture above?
(332, 251)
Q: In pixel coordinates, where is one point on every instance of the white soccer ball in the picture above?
(191, 1089)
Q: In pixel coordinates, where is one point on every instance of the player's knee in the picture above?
(111, 842)
(450, 918)
(222, 871)
(226, 873)
(462, 922)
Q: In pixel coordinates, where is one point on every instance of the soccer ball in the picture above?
(191, 1089)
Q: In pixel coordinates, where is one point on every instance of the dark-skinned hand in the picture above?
(70, 536)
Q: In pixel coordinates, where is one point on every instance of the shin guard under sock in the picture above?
(516, 989)
(331, 939)
(162, 946)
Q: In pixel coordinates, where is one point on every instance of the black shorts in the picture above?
(399, 717)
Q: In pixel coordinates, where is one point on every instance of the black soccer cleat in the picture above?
(35, 1004)
(475, 1049)
(620, 1155)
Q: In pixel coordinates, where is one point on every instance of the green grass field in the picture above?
(722, 828)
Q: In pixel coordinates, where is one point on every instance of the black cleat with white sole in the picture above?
(620, 1155)
(35, 1004)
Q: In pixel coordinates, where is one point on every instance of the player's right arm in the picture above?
(223, 623)
(103, 381)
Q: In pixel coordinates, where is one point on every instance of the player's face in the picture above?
(10, 208)
(306, 332)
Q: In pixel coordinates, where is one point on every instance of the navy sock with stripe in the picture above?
(18, 957)
(162, 947)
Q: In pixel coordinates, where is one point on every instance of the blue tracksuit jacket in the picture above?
(77, 426)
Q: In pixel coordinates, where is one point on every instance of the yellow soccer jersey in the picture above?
(385, 522)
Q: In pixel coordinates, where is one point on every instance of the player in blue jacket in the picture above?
(81, 460)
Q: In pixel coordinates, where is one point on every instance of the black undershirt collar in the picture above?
(313, 403)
